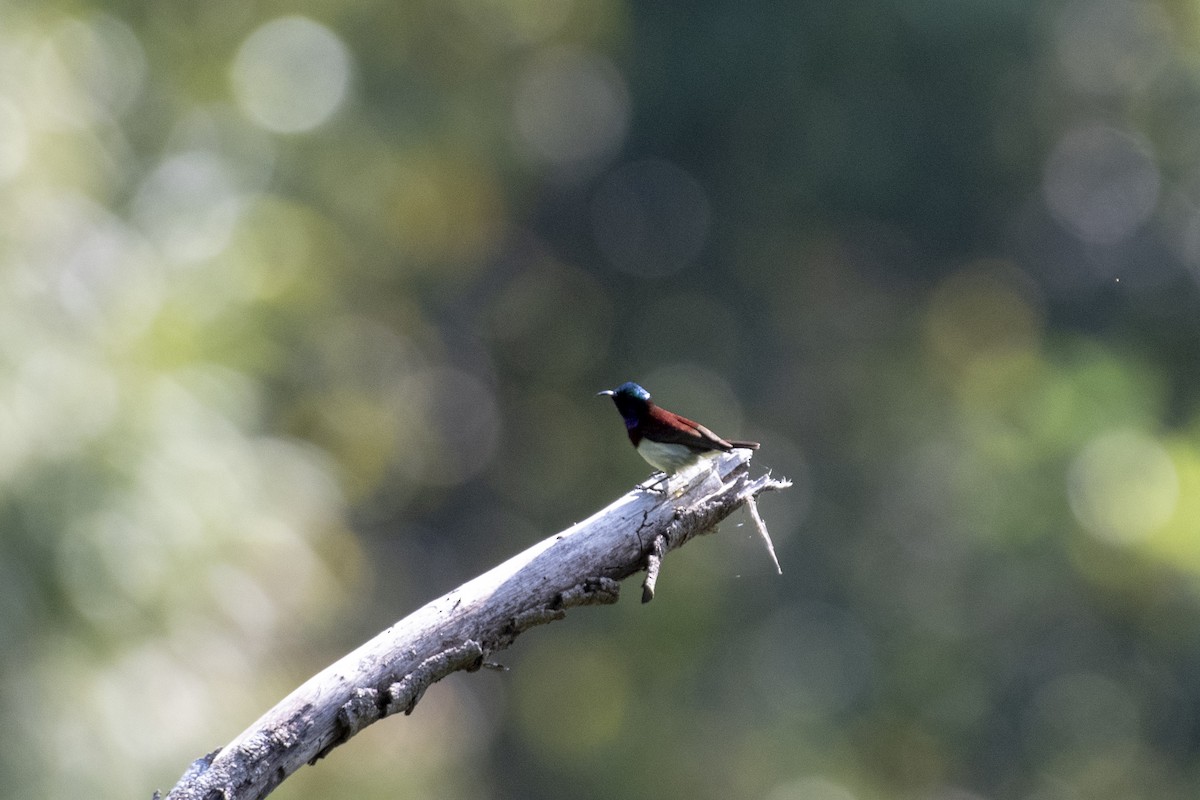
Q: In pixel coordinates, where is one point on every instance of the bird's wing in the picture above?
(668, 427)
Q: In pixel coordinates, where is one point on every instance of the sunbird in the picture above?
(667, 441)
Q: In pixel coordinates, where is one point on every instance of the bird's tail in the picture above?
(745, 445)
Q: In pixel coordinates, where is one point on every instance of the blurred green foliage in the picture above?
(302, 308)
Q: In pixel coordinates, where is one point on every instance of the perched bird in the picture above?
(666, 440)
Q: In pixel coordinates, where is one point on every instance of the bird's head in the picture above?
(631, 400)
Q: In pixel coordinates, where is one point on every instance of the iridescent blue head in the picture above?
(631, 400)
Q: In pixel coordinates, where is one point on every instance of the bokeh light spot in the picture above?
(571, 110)
(455, 431)
(1111, 46)
(650, 218)
(980, 315)
(188, 206)
(59, 401)
(1101, 183)
(291, 75)
(1178, 542)
(243, 600)
(155, 728)
(14, 140)
(88, 70)
(106, 58)
(444, 209)
(1123, 486)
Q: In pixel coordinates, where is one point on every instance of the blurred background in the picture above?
(302, 311)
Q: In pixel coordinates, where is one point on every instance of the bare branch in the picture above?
(579, 566)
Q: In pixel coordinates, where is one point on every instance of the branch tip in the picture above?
(761, 527)
(658, 548)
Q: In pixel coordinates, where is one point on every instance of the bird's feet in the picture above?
(656, 485)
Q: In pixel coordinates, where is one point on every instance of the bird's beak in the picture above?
(608, 392)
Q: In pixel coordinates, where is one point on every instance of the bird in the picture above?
(667, 441)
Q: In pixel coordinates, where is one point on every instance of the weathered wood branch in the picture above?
(579, 566)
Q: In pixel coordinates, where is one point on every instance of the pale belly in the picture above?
(668, 458)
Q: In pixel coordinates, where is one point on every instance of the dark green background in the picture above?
(268, 383)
